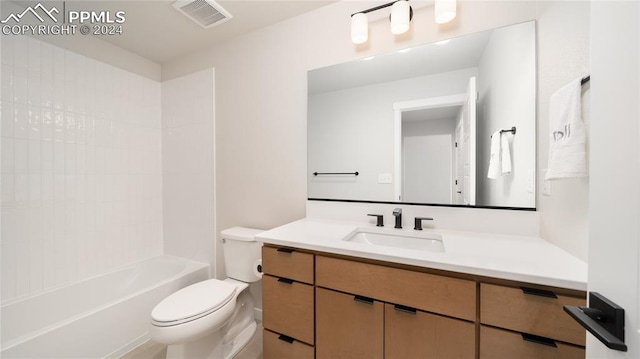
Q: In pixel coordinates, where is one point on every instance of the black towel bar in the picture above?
(335, 173)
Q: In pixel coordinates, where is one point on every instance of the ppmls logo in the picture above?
(33, 10)
(87, 22)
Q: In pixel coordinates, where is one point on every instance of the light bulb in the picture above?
(400, 13)
(359, 28)
(445, 11)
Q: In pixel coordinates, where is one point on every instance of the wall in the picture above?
(563, 55)
(261, 114)
(352, 130)
(188, 166)
(502, 71)
(81, 167)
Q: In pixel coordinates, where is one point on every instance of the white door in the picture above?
(614, 150)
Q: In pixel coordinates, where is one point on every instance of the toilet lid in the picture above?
(194, 300)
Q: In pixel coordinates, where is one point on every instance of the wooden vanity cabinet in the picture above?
(318, 305)
(288, 303)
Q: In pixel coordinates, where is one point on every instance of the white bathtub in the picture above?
(104, 316)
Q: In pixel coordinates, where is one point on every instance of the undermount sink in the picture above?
(430, 242)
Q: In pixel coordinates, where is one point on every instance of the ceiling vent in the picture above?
(206, 13)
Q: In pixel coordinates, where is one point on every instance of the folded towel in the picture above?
(567, 151)
(505, 154)
(494, 159)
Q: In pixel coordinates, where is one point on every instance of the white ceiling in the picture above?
(155, 30)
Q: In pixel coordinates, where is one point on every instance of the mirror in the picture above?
(421, 125)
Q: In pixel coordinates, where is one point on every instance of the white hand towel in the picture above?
(505, 154)
(567, 151)
(494, 159)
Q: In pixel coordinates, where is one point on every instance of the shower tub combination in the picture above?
(104, 316)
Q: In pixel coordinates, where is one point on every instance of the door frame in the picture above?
(404, 106)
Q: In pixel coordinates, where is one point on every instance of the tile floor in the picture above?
(152, 350)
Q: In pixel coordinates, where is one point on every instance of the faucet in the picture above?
(418, 222)
(398, 214)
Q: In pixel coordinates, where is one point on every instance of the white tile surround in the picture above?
(81, 167)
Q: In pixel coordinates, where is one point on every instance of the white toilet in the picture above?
(214, 318)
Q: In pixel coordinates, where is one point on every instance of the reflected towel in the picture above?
(494, 159)
(505, 154)
(567, 149)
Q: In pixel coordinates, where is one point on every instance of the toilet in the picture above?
(213, 318)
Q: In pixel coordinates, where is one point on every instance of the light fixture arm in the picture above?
(382, 7)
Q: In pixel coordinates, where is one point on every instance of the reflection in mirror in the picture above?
(417, 124)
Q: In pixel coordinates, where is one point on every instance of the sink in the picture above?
(430, 242)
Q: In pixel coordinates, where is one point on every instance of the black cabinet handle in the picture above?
(404, 309)
(285, 338)
(285, 280)
(361, 299)
(539, 292)
(539, 340)
(285, 250)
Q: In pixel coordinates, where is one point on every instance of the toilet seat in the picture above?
(192, 302)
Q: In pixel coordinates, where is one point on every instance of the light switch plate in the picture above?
(384, 177)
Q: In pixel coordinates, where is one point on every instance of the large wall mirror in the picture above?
(449, 123)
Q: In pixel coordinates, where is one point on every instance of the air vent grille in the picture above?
(206, 13)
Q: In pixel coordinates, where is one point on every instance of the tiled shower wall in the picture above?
(81, 167)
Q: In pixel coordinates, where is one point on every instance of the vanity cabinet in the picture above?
(288, 303)
(528, 322)
(321, 305)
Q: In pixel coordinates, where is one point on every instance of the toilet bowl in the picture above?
(213, 318)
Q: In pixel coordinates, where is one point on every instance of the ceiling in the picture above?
(155, 30)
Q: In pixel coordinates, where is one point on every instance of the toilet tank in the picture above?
(241, 253)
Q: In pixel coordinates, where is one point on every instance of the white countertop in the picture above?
(518, 258)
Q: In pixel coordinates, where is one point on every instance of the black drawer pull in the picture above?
(539, 292)
(361, 299)
(285, 338)
(285, 280)
(539, 340)
(285, 250)
(404, 309)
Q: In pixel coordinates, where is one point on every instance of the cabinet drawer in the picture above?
(287, 308)
(417, 334)
(288, 263)
(499, 344)
(513, 308)
(433, 293)
(277, 346)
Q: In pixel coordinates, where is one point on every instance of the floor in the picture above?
(152, 350)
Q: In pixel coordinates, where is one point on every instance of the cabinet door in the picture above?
(348, 326)
(411, 333)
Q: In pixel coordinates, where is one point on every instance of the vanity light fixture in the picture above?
(401, 14)
(444, 11)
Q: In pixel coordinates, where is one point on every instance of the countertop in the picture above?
(518, 258)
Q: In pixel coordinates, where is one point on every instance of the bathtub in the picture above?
(103, 316)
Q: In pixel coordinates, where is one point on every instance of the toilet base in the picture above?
(234, 347)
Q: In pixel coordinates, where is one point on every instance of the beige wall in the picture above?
(261, 102)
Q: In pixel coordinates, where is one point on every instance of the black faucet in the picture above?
(418, 222)
(379, 219)
(398, 214)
